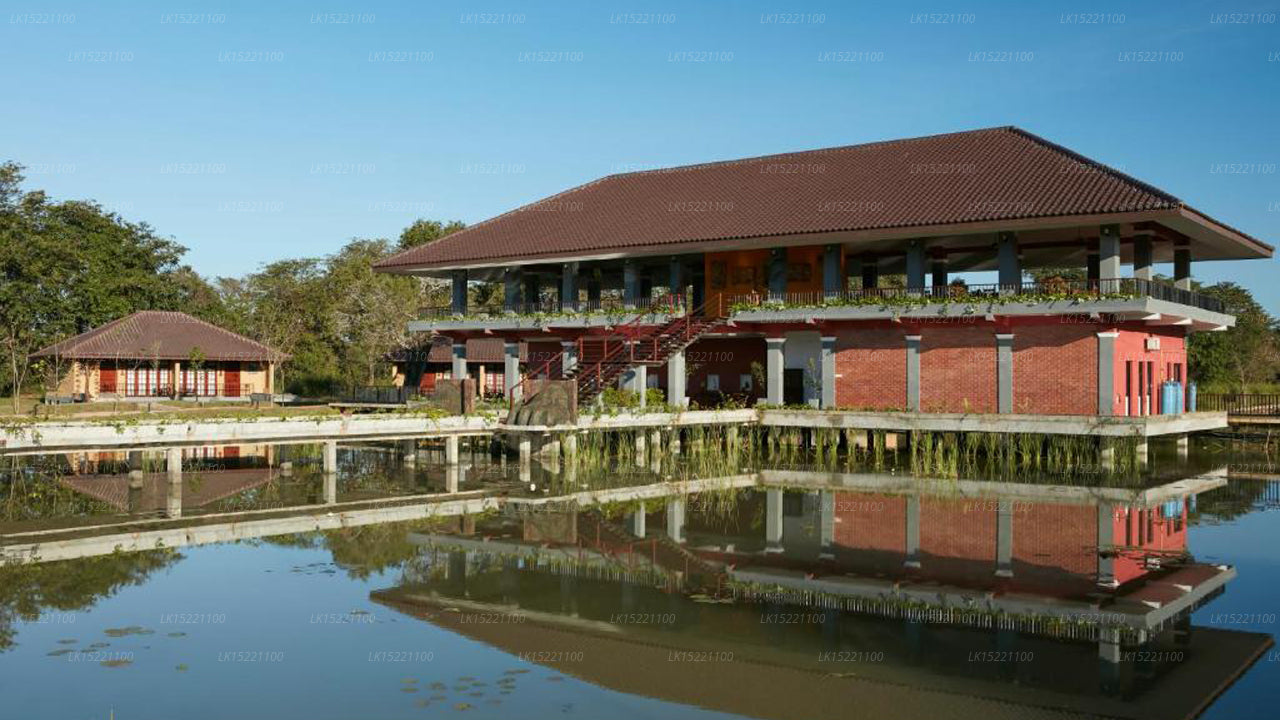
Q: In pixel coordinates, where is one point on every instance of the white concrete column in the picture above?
(525, 445)
(913, 372)
(1184, 446)
(913, 532)
(452, 475)
(640, 447)
(451, 450)
(828, 358)
(570, 445)
(1004, 372)
(330, 457)
(774, 365)
(677, 380)
(459, 358)
(636, 379)
(1109, 257)
(1004, 538)
(637, 527)
(568, 356)
(675, 519)
(511, 370)
(1106, 545)
(773, 520)
(1106, 372)
(409, 451)
(826, 524)
(173, 465)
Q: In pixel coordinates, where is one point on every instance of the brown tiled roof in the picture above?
(160, 335)
(439, 349)
(981, 175)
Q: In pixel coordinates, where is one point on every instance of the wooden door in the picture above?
(231, 380)
(106, 379)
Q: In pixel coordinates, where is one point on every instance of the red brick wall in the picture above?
(958, 369)
(871, 369)
(957, 539)
(729, 358)
(1055, 369)
(1055, 545)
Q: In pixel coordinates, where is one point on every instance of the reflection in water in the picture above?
(712, 579)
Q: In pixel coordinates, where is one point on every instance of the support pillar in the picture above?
(532, 292)
(1184, 446)
(511, 370)
(1106, 545)
(1010, 269)
(1182, 268)
(940, 279)
(459, 304)
(637, 527)
(452, 475)
(870, 272)
(913, 373)
(1106, 372)
(409, 451)
(774, 365)
(915, 265)
(1004, 372)
(828, 373)
(330, 457)
(636, 379)
(675, 519)
(173, 466)
(1004, 538)
(777, 273)
(832, 272)
(451, 450)
(525, 446)
(1106, 454)
(913, 532)
(630, 284)
(677, 380)
(459, 359)
(641, 447)
(569, 287)
(570, 445)
(1142, 257)
(593, 293)
(511, 290)
(1109, 257)
(773, 520)
(675, 277)
(826, 525)
(568, 356)
(1142, 451)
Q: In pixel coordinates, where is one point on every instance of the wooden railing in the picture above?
(1251, 404)
(662, 303)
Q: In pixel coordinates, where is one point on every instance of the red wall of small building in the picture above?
(1055, 368)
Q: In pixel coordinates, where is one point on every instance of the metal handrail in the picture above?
(1251, 404)
(962, 293)
(547, 307)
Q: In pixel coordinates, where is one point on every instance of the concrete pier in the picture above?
(330, 457)
(451, 450)
(409, 451)
(173, 466)
(913, 532)
(675, 519)
(773, 520)
(637, 521)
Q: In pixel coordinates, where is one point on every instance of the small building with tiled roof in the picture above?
(828, 277)
(161, 354)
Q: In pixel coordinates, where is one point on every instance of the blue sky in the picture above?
(251, 133)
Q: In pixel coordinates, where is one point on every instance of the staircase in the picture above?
(660, 550)
(603, 359)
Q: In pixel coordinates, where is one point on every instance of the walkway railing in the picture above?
(1048, 289)
(662, 303)
(1251, 404)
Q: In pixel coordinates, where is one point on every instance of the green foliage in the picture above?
(1243, 357)
(424, 231)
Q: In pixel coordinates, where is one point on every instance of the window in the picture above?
(745, 382)
(713, 383)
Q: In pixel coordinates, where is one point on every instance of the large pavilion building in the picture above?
(157, 354)
(827, 278)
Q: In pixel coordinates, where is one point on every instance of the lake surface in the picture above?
(785, 582)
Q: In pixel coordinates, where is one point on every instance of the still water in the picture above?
(784, 583)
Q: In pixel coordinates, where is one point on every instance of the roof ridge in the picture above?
(1118, 174)
(835, 148)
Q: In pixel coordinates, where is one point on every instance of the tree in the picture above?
(423, 231)
(1240, 357)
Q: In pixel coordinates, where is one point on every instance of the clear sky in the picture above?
(254, 131)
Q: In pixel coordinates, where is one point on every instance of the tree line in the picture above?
(70, 265)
